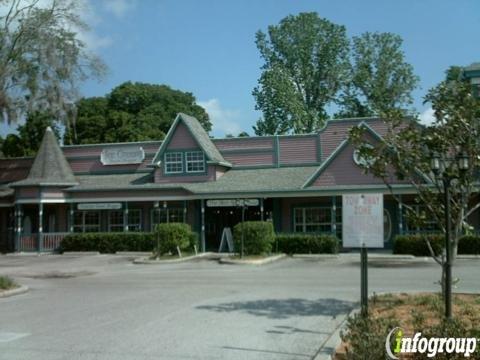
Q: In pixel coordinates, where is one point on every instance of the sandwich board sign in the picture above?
(362, 220)
(227, 240)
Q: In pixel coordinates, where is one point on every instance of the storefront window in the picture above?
(86, 221)
(115, 221)
(168, 215)
(134, 220)
(412, 227)
(313, 219)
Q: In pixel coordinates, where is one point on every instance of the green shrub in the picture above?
(469, 245)
(108, 242)
(7, 283)
(307, 243)
(415, 244)
(171, 235)
(366, 336)
(258, 237)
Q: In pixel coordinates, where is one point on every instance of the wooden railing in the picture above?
(51, 242)
(28, 243)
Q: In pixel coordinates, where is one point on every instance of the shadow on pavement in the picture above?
(285, 308)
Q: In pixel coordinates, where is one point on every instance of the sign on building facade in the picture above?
(362, 220)
(99, 206)
(122, 155)
(232, 202)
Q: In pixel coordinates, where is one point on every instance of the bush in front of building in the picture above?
(298, 243)
(108, 243)
(469, 245)
(170, 235)
(258, 237)
(416, 245)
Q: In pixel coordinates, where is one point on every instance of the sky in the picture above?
(207, 47)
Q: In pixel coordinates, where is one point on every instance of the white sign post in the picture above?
(362, 227)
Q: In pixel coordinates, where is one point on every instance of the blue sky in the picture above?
(207, 47)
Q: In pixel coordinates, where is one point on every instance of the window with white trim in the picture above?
(173, 162)
(312, 219)
(195, 161)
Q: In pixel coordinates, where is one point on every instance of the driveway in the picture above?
(103, 307)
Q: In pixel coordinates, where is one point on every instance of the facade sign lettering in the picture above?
(122, 155)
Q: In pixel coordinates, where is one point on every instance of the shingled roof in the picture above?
(50, 168)
(200, 135)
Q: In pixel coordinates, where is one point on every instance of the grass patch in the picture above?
(7, 283)
(424, 312)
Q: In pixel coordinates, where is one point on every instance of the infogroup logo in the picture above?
(430, 346)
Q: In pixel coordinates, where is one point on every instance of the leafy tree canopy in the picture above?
(311, 65)
(305, 64)
(30, 135)
(42, 60)
(132, 112)
(380, 78)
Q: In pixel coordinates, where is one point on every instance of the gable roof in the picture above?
(337, 151)
(50, 168)
(199, 134)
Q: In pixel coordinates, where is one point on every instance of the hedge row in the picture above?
(307, 244)
(416, 245)
(108, 242)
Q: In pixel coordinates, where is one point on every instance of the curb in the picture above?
(81, 253)
(315, 256)
(267, 260)
(145, 261)
(468, 257)
(133, 253)
(17, 291)
(329, 346)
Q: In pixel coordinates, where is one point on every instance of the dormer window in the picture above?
(195, 161)
(173, 162)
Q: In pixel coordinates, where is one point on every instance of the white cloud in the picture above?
(224, 121)
(427, 117)
(119, 7)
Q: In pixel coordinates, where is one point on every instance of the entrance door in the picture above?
(218, 218)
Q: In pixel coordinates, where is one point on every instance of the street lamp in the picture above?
(440, 167)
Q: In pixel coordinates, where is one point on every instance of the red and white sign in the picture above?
(362, 220)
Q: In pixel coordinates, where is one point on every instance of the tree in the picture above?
(42, 60)
(305, 65)
(407, 152)
(132, 112)
(12, 146)
(380, 78)
(30, 135)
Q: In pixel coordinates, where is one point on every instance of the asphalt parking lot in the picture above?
(104, 307)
